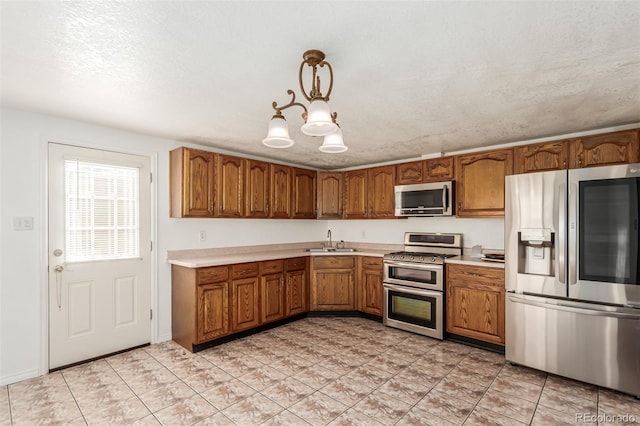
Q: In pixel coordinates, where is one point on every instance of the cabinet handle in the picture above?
(460, 205)
(580, 160)
(564, 164)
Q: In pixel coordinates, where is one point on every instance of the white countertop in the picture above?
(474, 261)
(216, 257)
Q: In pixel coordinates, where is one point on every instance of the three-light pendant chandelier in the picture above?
(318, 118)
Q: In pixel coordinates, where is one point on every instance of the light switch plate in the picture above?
(23, 223)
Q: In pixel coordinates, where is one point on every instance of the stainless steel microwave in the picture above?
(425, 199)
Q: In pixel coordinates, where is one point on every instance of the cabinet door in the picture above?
(230, 186)
(542, 157)
(256, 192)
(273, 297)
(409, 173)
(304, 193)
(439, 169)
(480, 183)
(371, 285)
(330, 195)
(475, 303)
(355, 194)
(280, 191)
(296, 293)
(244, 303)
(212, 311)
(610, 148)
(380, 197)
(333, 290)
(192, 183)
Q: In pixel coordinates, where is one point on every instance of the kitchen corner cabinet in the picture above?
(370, 290)
(431, 170)
(329, 195)
(245, 293)
(369, 193)
(199, 304)
(610, 148)
(480, 182)
(272, 290)
(192, 183)
(475, 302)
(229, 192)
(333, 283)
(256, 193)
(303, 193)
(280, 191)
(297, 286)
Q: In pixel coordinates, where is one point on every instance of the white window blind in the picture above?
(101, 211)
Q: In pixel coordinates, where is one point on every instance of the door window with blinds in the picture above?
(101, 211)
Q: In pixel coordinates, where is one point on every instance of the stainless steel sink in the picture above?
(330, 250)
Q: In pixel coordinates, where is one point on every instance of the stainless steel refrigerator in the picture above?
(572, 279)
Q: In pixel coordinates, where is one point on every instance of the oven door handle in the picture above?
(422, 266)
(411, 290)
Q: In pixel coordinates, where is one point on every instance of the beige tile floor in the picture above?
(337, 371)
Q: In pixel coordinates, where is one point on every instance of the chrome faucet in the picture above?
(329, 237)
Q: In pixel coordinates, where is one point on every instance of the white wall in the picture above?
(23, 261)
(23, 286)
(489, 233)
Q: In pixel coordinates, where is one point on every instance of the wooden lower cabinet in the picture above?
(370, 290)
(213, 311)
(475, 302)
(333, 283)
(272, 290)
(297, 286)
(245, 294)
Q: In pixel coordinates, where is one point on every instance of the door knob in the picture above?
(58, 268)
(57, 252)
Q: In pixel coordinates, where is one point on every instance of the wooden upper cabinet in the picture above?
(409, 173)
(256, 189)
(229, 186)
(380, 197)
(542, 157)
(191, 177)
(480, 182)
(610, 148)
(355, 194)
(439, 169)
(303, 193)
(329, 195)
(280, 191)
(431, 170)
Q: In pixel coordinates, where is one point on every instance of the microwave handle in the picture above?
(445, 198)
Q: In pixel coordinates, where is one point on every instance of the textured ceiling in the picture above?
(411, 78)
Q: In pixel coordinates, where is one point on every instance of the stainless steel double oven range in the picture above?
(414, 282)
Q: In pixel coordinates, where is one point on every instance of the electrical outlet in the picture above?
(203, 235)
(23, 223)
(363, 234)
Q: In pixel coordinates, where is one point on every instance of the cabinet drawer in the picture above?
(333, 262)
(271, 267)
(296, 263)
(213, 274)
(244, 270)
(476, 274)
(371, 262)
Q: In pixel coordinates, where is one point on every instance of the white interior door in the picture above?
(99, 253)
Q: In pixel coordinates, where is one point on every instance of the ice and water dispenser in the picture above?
(536, 250)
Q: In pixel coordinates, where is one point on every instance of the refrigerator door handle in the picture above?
(573, 235)
(562, 231)
(583, 311)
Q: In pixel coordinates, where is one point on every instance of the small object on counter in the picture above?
(476, 251)
(494, 257)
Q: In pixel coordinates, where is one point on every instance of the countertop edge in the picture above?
(474, 261)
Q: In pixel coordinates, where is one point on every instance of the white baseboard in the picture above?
(24, 375)
(163, 338)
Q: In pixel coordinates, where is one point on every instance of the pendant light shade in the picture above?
(333, 143)
(278, 134)
(319, 121)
